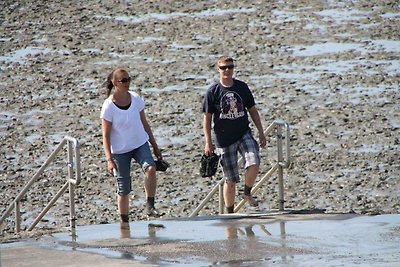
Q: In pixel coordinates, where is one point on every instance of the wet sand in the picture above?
(330, 70)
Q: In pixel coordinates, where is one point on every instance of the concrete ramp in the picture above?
(273, 239)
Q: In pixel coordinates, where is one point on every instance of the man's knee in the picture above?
(254, 167)
(230, 184)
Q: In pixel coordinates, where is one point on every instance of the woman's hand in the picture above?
(111, 167)
(157, 153)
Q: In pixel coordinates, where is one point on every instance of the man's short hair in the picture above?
(224, 59)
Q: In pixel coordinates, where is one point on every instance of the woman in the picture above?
(126, 134)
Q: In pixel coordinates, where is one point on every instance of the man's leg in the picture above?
(251, 175)
(250, 178)
(249, 150)
(229, 195)
(228, 160)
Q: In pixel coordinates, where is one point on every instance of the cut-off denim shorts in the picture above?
(247, 146)
(142, 156)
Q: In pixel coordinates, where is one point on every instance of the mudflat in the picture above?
(331, 70)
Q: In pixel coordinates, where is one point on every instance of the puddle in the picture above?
(337, 240)
(174, 15)
(367, 148)
(334, 48)
(390, 15)
(388, 46)
(176, 46)
(284, 17)
(343, 16)
(167, 135)
(325, 48)
(360, 94)
(19, 56)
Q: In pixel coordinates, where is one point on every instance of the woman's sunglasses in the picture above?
(124, 80)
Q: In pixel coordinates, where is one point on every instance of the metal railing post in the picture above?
(71, 188)
(17, 217)
(221, 198)
(280, 167)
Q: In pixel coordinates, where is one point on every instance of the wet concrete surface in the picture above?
(273, 239)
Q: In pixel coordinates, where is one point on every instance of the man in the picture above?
(228, 102)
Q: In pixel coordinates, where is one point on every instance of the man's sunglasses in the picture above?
(226, 67)
(124, 80)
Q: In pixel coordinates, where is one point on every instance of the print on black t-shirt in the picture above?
(231, 106)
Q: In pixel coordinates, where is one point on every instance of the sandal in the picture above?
(251, 200)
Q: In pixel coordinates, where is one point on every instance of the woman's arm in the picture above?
(106, 128)
(149, 132)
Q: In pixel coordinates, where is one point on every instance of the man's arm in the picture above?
(208, 146)
(255, 116)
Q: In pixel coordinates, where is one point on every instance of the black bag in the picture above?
(208, 165)
(161, 165)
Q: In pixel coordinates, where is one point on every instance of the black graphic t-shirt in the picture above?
(229, 108)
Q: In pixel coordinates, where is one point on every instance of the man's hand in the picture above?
(208, 149)
(262, 139)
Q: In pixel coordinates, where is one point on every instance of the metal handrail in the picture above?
(71, 183)
(279, 166)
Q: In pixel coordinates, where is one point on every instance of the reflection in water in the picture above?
(153, 228)
(125, 230)
(236, 246)
(232, 231)
(73, 234)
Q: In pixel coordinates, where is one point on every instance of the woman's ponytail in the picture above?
(109, 85)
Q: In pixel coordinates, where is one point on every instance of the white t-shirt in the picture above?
(127, 131)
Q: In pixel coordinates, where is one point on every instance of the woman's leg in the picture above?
(123, 162)
(123, 204)
(150, 181)
(143, 156)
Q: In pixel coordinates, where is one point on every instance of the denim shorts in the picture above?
(142, 156)
(248, 148)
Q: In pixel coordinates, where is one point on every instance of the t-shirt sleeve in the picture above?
(139, 102)
(106, 111)
(249, 102)
(208, 102)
